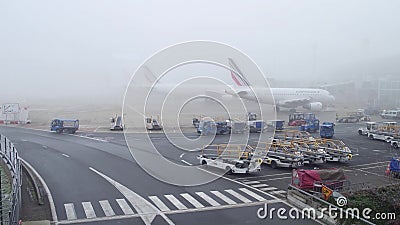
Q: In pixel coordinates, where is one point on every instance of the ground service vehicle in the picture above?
(256, 126)
(276, 125)
(312, 180)
(347, 119)
(391, 114)
(296, 119)
(207, 126)
(153, 123)
(116, 123)
(394, 167)
(222, 127)
(231, 158)
(196, 122)
(236, 126)
(370, 126)
(327, 130)
(385, 132)
(68, 126)
(311, 126)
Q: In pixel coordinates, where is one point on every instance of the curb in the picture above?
(31, 171)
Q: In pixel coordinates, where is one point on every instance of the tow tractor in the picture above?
(231, 158)
(116, 123)
(69, 126)
(370, 126)
(296, 119)
(153, 123)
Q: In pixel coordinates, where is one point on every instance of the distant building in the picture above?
(382, 92)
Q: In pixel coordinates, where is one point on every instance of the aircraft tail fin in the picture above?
(237, 75)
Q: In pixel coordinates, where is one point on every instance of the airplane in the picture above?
(309, 98)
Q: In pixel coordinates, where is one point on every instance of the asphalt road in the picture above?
(94, 180)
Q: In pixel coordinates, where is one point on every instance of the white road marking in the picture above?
(252, 194)
(175, 201)
(91, 138)
(278, 192)
(192, 200)
(186, 163)
(238, 196)
(124, 206)
(44, 146)
(70, 211)
(181, 155)
(252, 182)
(65, 155)
(224, 198)
(269, 175)
(159, 203)
(268, 189)
(208, 199)
(145, 209)
(89, 211)
(260, 185)
(105, 205)
(277, 178)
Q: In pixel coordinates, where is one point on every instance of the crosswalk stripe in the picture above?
(223, 197)
(89, 211)
(278, 192)
(176, 202)
(70, 211)
(252, 194)
(124, 206)
(260, 185)
(105, 205)
(238, 196)
(192, 200)
(268, 189)
(159, 203)
(208, 199)
(252, 182)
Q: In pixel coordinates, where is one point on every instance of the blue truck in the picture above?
(69, 126)
(327, 130)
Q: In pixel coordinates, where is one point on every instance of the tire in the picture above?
(395, 145)
(360, 132)
(204, 162)
(228, 170)
(58, 131)
(371, 137)
(274, 165)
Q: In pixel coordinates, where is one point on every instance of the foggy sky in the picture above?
(89, 48)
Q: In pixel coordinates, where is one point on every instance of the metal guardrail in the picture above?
(10, 215)
(303, 199)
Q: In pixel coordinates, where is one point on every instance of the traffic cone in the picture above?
(387, 172)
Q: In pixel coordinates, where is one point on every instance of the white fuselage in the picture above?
(280, 96)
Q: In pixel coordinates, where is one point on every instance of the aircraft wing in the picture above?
(293, 103)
